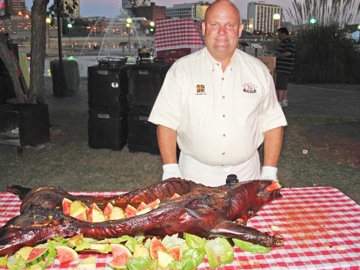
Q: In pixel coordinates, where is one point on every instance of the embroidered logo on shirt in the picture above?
(249, 88)
(200, 89)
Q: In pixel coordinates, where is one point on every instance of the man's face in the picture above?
(281, 36)
(222, 30)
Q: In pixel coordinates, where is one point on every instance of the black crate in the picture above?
(32, 120)
(108, 86)
(107, 129)
(145, 81)
(142, 133)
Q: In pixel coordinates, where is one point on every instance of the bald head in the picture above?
(219, 4)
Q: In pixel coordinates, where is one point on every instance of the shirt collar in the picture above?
(216, 64)
(213, 63)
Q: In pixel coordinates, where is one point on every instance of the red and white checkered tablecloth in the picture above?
(321, 227)
(178, 33)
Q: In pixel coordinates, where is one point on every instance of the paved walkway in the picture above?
(324, 99)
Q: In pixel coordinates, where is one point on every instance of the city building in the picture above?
(17, 25)
(131, 4)
(190, 10)
(15, 18)
(4, 9)
(152, 12)
(263, 16)
(126, 4)
(248, 25)
(15, 7)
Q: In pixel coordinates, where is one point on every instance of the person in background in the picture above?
(285, 61)
(219, 105)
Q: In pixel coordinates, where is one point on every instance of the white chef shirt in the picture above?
(219, 117)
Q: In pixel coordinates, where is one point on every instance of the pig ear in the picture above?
(274, 185)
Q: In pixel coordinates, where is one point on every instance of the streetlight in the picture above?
(312, 22)
(251, 30)
(152, 27)
(152, 31)
(48, 22)
(276, 18)
(69, 25)
(128, 25)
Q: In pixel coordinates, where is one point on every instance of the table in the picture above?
(177, 33)
(320, 225)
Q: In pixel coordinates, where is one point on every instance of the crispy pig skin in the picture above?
(200, 210)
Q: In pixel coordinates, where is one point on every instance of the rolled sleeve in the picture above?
(271, 113)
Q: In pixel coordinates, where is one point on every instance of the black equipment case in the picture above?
(31, 120)
(108, 105)
(145, 81)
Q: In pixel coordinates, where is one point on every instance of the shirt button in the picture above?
(223, 153)
(224, 135)
(223, 115)
(223, 97)
(222, 79)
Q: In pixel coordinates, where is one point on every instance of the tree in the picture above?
(323, 53)
(337, 12)
(38, 50)
(38, 42)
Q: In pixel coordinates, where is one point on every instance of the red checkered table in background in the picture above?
(175, 38)
(320, 225)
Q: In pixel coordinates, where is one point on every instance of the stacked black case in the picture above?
(31, 119)
(108, 106)
(145, 81)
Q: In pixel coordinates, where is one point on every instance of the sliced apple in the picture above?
(82, 216)
(117, 213)
(75, 240)
(96, 215)
(140, 251)
(164, 259)
(99, 246)
(143, 211)
(77, 208)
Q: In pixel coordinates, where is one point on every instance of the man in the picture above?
(218, 104)
(285, 60)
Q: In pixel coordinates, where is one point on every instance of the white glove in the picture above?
(170, 171)
(268, 173)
